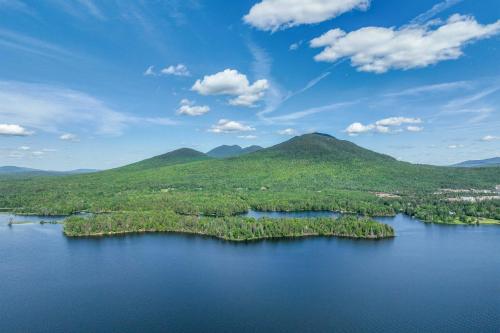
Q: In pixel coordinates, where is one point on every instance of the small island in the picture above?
(231, 228)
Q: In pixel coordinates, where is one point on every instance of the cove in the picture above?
(432, 278)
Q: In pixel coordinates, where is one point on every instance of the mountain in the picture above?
(9, 169)
(179, 156)
(322, 147)
(308, 172)
(489, 162)
(20, 171)
(232, 151)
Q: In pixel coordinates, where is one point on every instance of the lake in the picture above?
(430, 278)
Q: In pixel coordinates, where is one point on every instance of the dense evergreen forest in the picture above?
(309, 172)
(228, 228)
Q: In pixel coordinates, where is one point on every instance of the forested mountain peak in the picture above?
(231, 151)
(182, 155)
(320, 146)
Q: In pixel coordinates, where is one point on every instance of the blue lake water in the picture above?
(430, 278)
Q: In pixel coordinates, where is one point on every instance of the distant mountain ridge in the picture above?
(15, 170)
(178, 156)
(232, 151)
(489, 162)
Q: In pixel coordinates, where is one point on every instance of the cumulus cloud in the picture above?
(378, 49)
(414, 128)
(14, 130)
(230, 126)
(288, 131)
(190, 108)
(177, 70)
(68, 137)
(397, 121)
(272, 15)
(49, 108)
(384, 126)
(489, 138)
(231, 82)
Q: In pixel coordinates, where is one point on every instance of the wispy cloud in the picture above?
(20, 42)
(435, 10)
(431, 88)
(290, 117)
(463, 101)
(53, 109)
(79, 8)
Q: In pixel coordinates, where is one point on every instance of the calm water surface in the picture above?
(430, 278)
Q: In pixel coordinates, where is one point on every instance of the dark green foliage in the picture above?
(228, 228)
(231, 151)
(311, 172)
(183, 155)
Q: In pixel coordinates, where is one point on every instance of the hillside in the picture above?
(179, 156)
(308, 172)
(322, 147)
(225, 151)
(495, 161)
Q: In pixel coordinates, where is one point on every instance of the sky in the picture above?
(100, 84)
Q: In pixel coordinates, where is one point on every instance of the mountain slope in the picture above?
(309, 172)
(231, 151)
(321, 147)
(179, 156)
(495, 161)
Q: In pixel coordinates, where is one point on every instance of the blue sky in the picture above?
(98, 84)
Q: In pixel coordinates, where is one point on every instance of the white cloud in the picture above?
(150, 71)
(230, 126)
(385, 126)
(69, 137)
(288, 131)
(397, 121)
(357, 128)
(489, 138)
(231, 82)
(414, 128)
(454, 146)
(247, 137)
(49, 108)
(14, 130)
(295, 46)
(378, 49)
(177, 70)
(189, 108)
(273, 15)
(431, 88)
(24, 148)
(38, 153)
(436, 9)
(290, 117)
